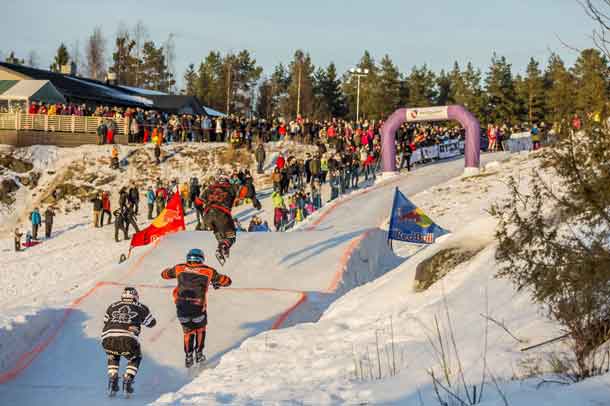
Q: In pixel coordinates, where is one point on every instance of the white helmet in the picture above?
(130, 294)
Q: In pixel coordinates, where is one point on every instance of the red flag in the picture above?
(170, 220)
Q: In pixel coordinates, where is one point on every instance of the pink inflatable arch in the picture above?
(472, 147)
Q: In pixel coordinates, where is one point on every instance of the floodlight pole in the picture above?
(359, 73)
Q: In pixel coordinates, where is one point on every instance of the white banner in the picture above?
(427, 114)
(449, 149)
(525, 134)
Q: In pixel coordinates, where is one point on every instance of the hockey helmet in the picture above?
(221, 176)
(195, 255)
(130, 294)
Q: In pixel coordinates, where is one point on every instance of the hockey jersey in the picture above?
(193, 282)
(220, 195)
(125, 318)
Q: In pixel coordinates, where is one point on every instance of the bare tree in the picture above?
(95, 51)
(170, 59)
(140, 35)
(76, 56)
(33, 59)
(599, 11)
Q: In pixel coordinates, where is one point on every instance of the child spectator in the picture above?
(18, 235)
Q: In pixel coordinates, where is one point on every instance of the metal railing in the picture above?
(70, 124)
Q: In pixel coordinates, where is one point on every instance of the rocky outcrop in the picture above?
(15, 164)
(7, 187)
(440, 264)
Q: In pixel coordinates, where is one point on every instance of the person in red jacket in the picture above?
(105, 208)
(190, 297)
(280, 162)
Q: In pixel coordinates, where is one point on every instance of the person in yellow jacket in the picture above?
(279, 210)
(184, 193)
(114, 158)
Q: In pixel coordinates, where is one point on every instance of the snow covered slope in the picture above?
(53, 354)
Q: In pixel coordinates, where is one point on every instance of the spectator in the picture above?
(150, 201)
(157, 153)
(114, 158)
(134, 198)
(335, 184)
(101, 133)
(161, 199)
(206, 126)
(260, 156)
(119, 225)
(280, 162)
(36, 221)
(129, 218)
(18, 235)
(48, 221)
(276, 178)
(97, 210)
(316, 194)
(123, 197)
(279, 210)
(194, 191)
(184, 193)
(105, 208)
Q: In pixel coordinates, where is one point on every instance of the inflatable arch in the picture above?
(472, 147)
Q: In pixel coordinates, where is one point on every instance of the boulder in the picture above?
(440, 264)
(15, 164)
(7, 187)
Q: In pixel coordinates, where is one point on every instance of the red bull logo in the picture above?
(416, 216)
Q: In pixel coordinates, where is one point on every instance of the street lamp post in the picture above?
(359, 73)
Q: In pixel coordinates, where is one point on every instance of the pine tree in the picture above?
(534, 92)
(327, 90)
(210, 90)
(368, 86)
(245, 73)
(11, 58)
(124, 60)
(444, 85)
(457, 88)
(501, 96)
(591, 74)
(155, 73)
(560, 90)
(422, 87)
(280, 80)
(62, 57)
(521, 99)
(190, 81)
(300, 98)
(474, 99)
(388, 88)
(264, 101)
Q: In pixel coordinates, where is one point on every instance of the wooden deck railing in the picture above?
(70, 124)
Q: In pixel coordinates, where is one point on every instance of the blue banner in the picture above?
(409, 223)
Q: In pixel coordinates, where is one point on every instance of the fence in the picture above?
(69, 124)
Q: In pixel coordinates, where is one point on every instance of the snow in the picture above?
(333, 286)
(114, 93)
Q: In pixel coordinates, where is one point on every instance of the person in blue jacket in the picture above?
(150, 201)
(36, 221)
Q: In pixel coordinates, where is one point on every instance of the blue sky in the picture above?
(436, 32)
